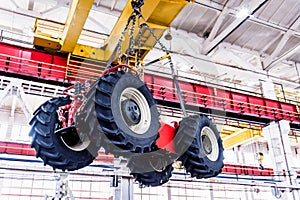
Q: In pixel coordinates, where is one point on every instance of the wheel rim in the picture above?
(158, 164)
(73, 140)
(209, 144)
(135, 110)
(76, 144)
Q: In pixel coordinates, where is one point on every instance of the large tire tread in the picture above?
(198, 166)
(142, 171)
(116, 140)
(49, 147)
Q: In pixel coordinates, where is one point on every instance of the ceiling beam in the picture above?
(188, 15)
(271, 60)
(113, 4)
(217, 25)
(15, 4)
(106, 10)
(284, 56)
(30, 5)
(98, 2)
(254, 5)
(22, 12)
(50, 9)
(266, 47)
(77, 16)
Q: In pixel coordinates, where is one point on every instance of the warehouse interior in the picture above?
(233, 65)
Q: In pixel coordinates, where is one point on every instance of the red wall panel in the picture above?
(149, 81)
(58, 69)
(289, 111)
(10, 58)
(53, 67)
(240, 102)
(163, 88)
(273, 109)
(204, 95)
(188, 93)
(222, 99)
(257, 106)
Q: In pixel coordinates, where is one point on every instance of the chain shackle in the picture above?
(137, 4)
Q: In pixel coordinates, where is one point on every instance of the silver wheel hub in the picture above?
(135, 110)
(209, 143)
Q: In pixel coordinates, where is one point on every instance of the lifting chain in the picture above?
(164, 49)
(130, 50)
(119, 44)
(138, 59)
(136, 5)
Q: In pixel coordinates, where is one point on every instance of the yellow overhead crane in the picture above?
(240, 136)
(158, 14)
(234, 134)
(76, 19)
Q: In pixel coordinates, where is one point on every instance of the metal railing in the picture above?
(33, 88)
(16, 38)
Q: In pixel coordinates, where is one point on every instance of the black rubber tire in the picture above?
(141, 170)
(50, 147)
(194, 159)
(120, 139)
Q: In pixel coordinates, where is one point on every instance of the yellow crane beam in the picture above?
(47, 34)
(77, 16)
(159, 14)
(240, 137)
(147, 9)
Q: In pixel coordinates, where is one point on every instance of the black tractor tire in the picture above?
(122, 135)
(52, 148)
(146, 174)
(204, 156)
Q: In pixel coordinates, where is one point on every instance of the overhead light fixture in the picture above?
(242, 13)
(168, 36)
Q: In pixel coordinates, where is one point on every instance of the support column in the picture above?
(281, 153)
(211, 191)
(9, 127)
(248, 194)
(124, 189)
(236, 152)
(169, 190)
(268, 89)
(276, 136)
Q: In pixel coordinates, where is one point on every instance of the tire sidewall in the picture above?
(61, 146)
(128, 80)
(218, 163)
